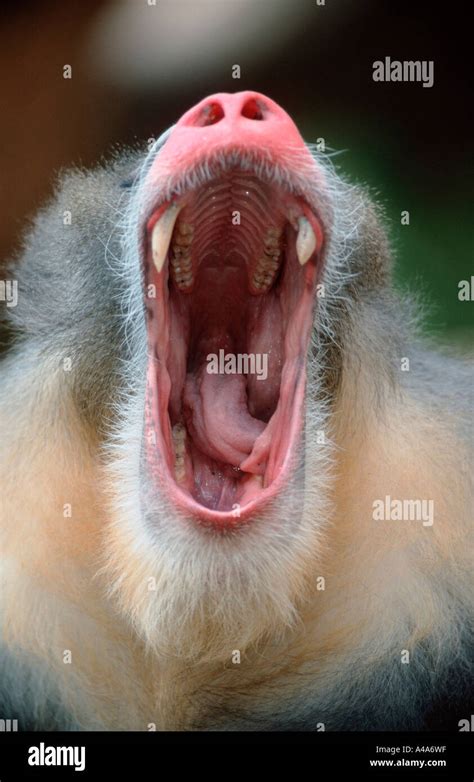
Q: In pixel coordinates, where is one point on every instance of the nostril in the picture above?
(254, 109)
(209, 115)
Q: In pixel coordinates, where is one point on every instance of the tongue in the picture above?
(217, 416)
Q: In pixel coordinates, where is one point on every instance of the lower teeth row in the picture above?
(179, 444)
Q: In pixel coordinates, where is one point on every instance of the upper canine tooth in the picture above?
(161, 235)
(305, 241)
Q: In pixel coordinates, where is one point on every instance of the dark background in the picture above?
(137, 67)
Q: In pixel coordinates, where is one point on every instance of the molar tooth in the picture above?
(273, 233)
(305, 241)
(161, 235)
(271, 241)
(179, 264)
(184, 234)
(183, 240)
(184, 279)
(181, 267)
(265, 273)
(181, 252)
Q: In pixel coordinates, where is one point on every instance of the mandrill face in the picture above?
(225, 241)
(231, 252)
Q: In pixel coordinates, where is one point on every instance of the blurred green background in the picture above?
(138, 64)
(435, 251)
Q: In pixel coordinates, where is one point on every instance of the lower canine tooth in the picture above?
(161, 235)
(305, 241)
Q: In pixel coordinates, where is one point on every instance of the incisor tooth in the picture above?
(305, 241)
(161, 235)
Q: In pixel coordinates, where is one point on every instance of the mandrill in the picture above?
(189, 543)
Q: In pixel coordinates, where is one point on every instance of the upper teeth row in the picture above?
(267, 265)
(181, 263)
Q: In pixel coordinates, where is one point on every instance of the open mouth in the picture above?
(230, 273)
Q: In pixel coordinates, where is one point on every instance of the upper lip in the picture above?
(182, 181)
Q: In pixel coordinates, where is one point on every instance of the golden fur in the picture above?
(131, 667)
